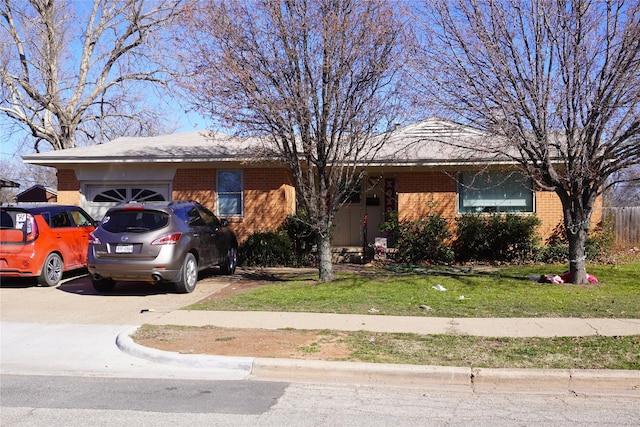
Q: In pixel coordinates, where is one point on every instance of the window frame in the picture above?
(239, 194)
(499, 176)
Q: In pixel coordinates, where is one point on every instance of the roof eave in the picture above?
(55, 161)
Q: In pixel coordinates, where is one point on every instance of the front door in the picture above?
(349, 229)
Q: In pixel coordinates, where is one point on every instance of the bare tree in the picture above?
(556, 82)
(314, 79)
(624, 188)
(25, 175)
(81, 70)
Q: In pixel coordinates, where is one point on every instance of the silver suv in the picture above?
(159, 242)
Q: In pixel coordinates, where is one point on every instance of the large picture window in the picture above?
(494, 192)
(229, 185)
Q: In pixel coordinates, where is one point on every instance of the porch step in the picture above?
(354, 254)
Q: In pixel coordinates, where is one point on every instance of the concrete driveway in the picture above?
(75, 300)
(72, 330)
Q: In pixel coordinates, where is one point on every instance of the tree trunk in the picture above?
(577, 238)
(577, 211)
(325, 264)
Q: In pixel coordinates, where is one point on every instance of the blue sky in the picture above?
(12, 146)
(16, 140)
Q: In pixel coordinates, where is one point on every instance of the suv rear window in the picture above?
(135, 221)
(7, 219)
(16, 226)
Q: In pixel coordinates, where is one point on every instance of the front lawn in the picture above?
(470, 292)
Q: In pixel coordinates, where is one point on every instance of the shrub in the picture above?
(556, 253)
(513, 237)
(496, 237)
(471, 241)
(291, 245)
(302, 236)
(269, 249)
(597, 246)
(418, 241)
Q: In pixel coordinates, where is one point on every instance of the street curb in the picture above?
(577, 381)
(359, 372)
(478, 380)
(607, 381)
(223, 363)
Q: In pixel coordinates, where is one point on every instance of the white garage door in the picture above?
(101, 198)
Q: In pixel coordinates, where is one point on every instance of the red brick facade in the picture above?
(420, 193)
(195, 184)
(68, 188)
(269, 196)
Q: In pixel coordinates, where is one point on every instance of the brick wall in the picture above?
(68, 188)
(268, 196)
(549, 210)
(197, 184)
(420, 193)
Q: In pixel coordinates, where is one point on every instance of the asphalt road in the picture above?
(33, 401)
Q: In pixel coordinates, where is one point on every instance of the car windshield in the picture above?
(134, 221)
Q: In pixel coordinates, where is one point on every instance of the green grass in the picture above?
(488, 292)
(591, 352)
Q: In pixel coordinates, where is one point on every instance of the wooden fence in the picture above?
(626, 224)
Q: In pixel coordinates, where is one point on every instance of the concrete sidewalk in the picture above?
(490, 327)
(618, 382)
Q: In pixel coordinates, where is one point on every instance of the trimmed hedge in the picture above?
(496, 237)
(291, 245)
(419, 241)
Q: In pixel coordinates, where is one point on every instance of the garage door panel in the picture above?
(99, 198)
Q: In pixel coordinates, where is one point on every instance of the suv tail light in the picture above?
(169, 239)
(31, 228)
(94, 240)
(133, 207)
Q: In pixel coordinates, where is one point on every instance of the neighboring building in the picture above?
(5, 183)
(419, 170)
(37, 194)
(7, 196)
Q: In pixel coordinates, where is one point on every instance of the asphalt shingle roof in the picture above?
(430, 142)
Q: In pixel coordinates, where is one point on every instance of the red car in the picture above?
(43, 241)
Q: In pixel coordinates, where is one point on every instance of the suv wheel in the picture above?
(188, 275)
(52, 268)
(103, 285)
(229, 264)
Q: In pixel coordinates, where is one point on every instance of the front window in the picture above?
(80, 219)
(494, 192)
(58, 220)
(229, 185)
